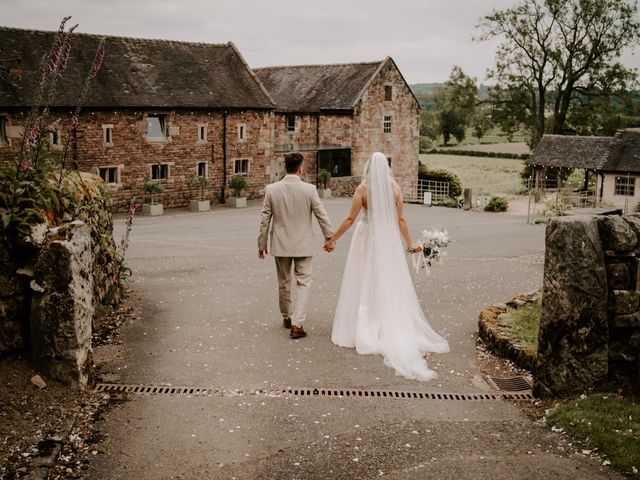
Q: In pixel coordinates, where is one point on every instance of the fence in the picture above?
(439, 191)
(549, 198)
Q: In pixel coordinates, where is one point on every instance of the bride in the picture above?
(378, 309)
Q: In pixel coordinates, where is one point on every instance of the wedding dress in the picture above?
(378, 310)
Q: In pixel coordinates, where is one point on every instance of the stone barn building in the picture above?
(338, 115)
(159, 109)
(169, 110)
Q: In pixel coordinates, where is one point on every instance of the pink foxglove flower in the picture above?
(97, 64)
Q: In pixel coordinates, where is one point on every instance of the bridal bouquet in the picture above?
(433, 242)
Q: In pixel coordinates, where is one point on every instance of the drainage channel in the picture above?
(309, 392)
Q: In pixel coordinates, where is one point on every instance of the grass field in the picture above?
(495, 135)
(490, 176)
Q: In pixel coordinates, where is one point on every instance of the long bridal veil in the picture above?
(378, 310)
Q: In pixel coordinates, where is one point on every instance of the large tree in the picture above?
(453, 107)
(556, 57)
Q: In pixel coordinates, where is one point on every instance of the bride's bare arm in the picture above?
(404, 228)
(356, 206)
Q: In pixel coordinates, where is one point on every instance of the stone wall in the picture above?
(344, 186)
(590, 322)
(133, 154)
(402, 144)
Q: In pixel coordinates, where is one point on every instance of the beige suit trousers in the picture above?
(295, 309)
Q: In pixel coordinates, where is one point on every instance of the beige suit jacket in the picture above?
(287, 210)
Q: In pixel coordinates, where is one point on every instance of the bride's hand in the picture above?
(415, 247)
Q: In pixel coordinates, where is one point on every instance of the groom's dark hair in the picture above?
(292, 162)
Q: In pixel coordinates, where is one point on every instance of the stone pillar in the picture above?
(62, 306)
(573, 339)
(467, 203)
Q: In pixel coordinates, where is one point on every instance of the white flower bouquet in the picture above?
(433, 243)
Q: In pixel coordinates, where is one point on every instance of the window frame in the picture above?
(242, 132)
(206, 168)
(164, 127)
(289, 127)
(107, 135)
(202, 132)
(388, 93)
(160, 167)
(241, 170)
(625, 186)
(55, 138)
(387, 123)
(116, 174)
(4, 141)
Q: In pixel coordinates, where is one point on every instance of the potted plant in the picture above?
(152, 187)
(238, 183)
(201, 183)
(324, 176)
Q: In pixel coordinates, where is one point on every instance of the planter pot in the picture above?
(152, 209)
(199, 205)
(324, 192)
(236, 202)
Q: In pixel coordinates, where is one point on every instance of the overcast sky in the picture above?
(425, 37)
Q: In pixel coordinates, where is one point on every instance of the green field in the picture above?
(491, 176)
(495, 135)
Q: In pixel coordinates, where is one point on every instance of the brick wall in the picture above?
(402, 144)
(133, 154)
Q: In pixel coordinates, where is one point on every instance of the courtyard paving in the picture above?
(208, 317)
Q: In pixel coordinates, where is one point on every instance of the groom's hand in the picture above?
(329, 246)
(262, 254)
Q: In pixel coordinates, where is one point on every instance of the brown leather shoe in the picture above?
(286, 322)
(297, 332)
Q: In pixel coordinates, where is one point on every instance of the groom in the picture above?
(287, 210)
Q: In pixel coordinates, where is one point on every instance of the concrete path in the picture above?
(209, 318)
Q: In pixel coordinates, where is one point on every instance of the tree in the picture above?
(556, 54)
(454, 104)
(481, 123)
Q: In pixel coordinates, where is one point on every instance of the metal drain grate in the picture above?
(510, 384)
(309, 392)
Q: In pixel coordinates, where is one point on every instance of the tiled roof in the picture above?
(313, 88)
(136, 73)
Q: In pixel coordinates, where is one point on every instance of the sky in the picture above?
(426, 38)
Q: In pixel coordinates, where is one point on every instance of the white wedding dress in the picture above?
(378, 310)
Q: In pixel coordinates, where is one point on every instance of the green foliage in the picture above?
(552, 175)
(453, 107)
(199, 182)
(481, 123)
(557, 64)
(238, 183)
(324, 176)
(152, 187)
(474, 153)
(441, 175)
(497, 204)
(607, 422)
(524, 323)
(447, 202)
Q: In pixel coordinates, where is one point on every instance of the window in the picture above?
(337, 161)
(159, 171)
(387, 124)
(55, 138)
(107, 131)
(291, 123)
(626, 186)
(156, 127)
(389, 160)
(388, 93)
(3, 132)
(242, 132)
(241, 167)
(202, 133)
(202, 169)
(109, 175)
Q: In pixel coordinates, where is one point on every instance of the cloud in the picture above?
(424, 38)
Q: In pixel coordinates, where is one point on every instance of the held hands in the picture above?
(329, 246)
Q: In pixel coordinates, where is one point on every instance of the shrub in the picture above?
(471, 153)
(238, 183)
(441, 175)
(497, 204)
(151, 187)
(447, 202)
(201, 183)
(324, 176)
